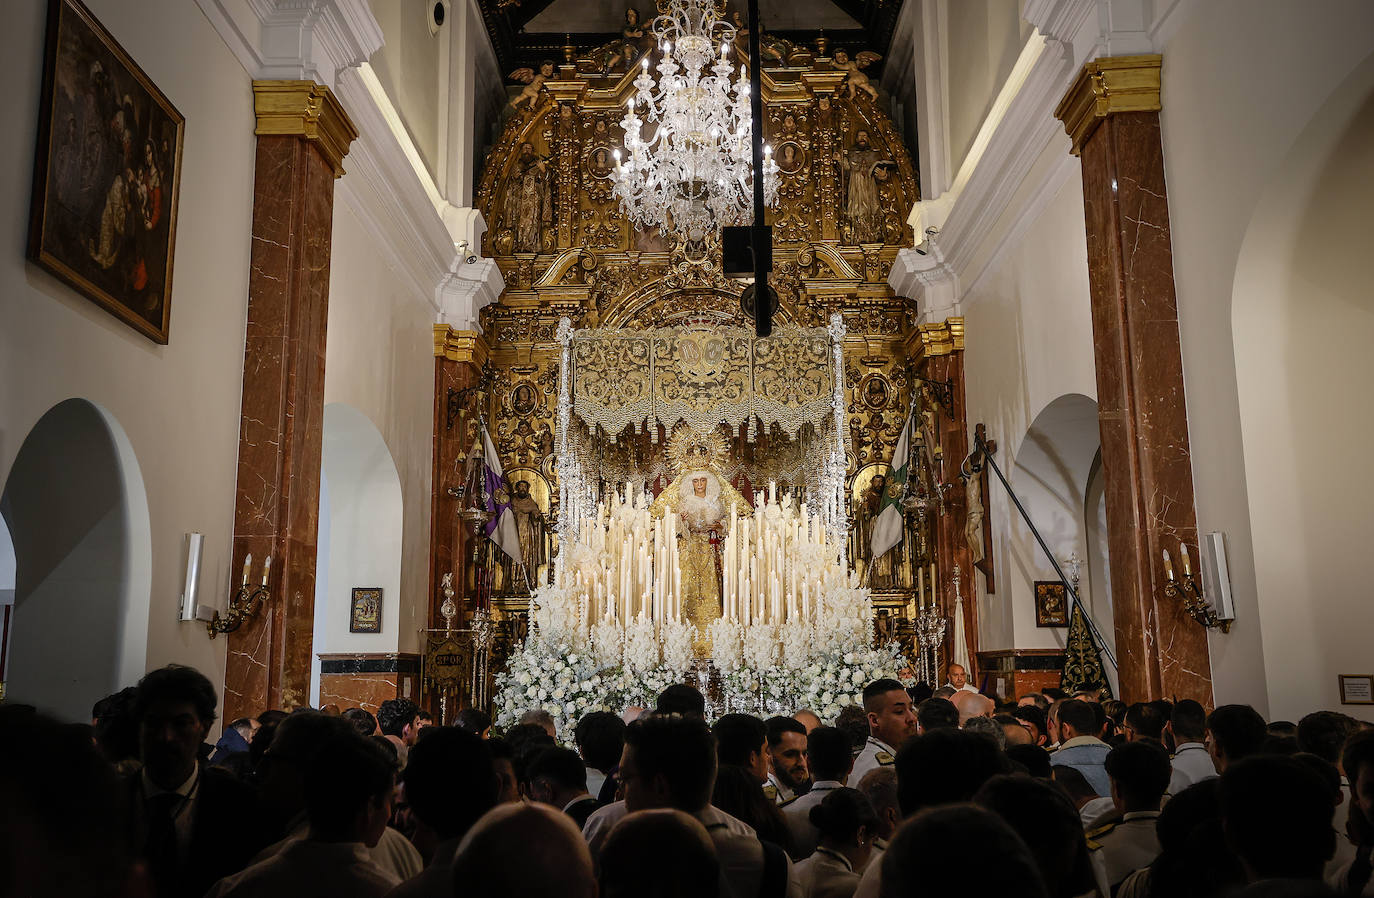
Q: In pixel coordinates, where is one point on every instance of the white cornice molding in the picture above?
(312, 40)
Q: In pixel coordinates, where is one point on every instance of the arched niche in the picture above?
(359, 538)
(77, 512)
(1055, 472)
(1302, 314)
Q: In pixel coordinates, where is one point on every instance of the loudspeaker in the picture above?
(195, 542)
(737, 251)
(1219, 575)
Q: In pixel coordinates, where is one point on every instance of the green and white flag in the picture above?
(887, 530)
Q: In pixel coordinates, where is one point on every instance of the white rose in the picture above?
(559, 693)
(532, 692)
(543, 694)
(570, 708)
(572, 659)
(524, 679)
(849, 658)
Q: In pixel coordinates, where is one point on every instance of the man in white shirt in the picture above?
(831, 761)
(1139, 774)
(891, 721)
(958, 679)
(670, 762)
(349, 790)
(1191, 762)
(788, 773)
(557, 778)
(600, 735)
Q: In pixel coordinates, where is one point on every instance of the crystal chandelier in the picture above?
(694, 174)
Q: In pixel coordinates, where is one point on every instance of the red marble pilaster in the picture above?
(1162, 652)
(281, 427)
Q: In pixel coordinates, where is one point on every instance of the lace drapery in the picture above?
(704, 376)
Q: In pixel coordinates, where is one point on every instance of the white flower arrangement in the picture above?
(822, 663)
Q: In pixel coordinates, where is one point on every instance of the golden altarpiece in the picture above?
(566, 249)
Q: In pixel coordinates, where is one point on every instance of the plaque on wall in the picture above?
(365, 612)
(1357, 689)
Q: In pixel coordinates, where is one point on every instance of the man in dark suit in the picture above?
(557, 777)
(194, 823)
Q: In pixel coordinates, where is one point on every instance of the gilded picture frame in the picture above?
(1051, 604)
(365, 611)
(107, 173)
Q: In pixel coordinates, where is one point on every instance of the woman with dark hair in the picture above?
(846, 821)
(740, 794)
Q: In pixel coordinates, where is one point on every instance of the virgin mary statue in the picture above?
(702, 499)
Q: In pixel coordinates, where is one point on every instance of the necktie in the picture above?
(161, 847)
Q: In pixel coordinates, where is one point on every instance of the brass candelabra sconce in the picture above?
(246, 601)
(1194, 602)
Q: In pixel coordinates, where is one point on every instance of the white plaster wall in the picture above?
(983, 39)
(1029, 341)
(408, 67)
(380, 361)
(1234, 101)
(1303, 313)
(178, 404)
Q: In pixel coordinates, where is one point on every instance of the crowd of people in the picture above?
(918, 792)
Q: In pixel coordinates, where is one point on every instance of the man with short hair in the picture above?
(936, 714)
(854, 722)
(787, 745)
(1014, 732)
(958, 679)
(807, 718)
(973, 704)
(193, 822)
(830, 761)
(398, 720)
(670, 762)
(742, 741)
(1191, 762)
(1276, 815)
(1033, 719)
(1092, 808)
(558, 778)
(680, 698)
(600, 736)
(1082, 749)
(1052, 732)
(473, 720)
(1234, 732)
(450, 783)
(523, 849)
(1144, 721)
(890, 723)
(348, 794)
(880, 788)
(1035, 699)
(1139, 774)
(540, 718)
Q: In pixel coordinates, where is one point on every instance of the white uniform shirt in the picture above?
(781, 793)
(876, 753)
(1192, 764)
(798, 817)
(1128, 846)
(827, 874)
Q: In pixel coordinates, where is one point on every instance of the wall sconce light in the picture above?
(244, 603)
(1194, 602)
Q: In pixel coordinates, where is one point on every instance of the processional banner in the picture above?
(704, 376)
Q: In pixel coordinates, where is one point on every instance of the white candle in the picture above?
(267, 566)
(1183, 555)
(247, 567)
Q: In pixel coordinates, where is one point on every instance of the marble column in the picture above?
(303, 136)
(1111, 114)
(459, 357)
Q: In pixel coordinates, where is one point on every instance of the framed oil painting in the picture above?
(1051, 604)
(365, 612)
(106, 173)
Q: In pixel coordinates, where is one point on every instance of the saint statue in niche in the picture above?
(861, 168)
(529, 207)
(878, 571)
(530, 528)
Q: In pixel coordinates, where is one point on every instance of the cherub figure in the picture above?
(857, 79)
(534, 83)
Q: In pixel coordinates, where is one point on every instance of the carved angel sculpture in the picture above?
(533, 80)
(857, 79)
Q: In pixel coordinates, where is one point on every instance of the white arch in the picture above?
(1052, 472)
(360, 533)
(76, 507)
(1302, 314)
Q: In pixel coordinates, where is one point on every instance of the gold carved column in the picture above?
(303, 136)
(1112, 115)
